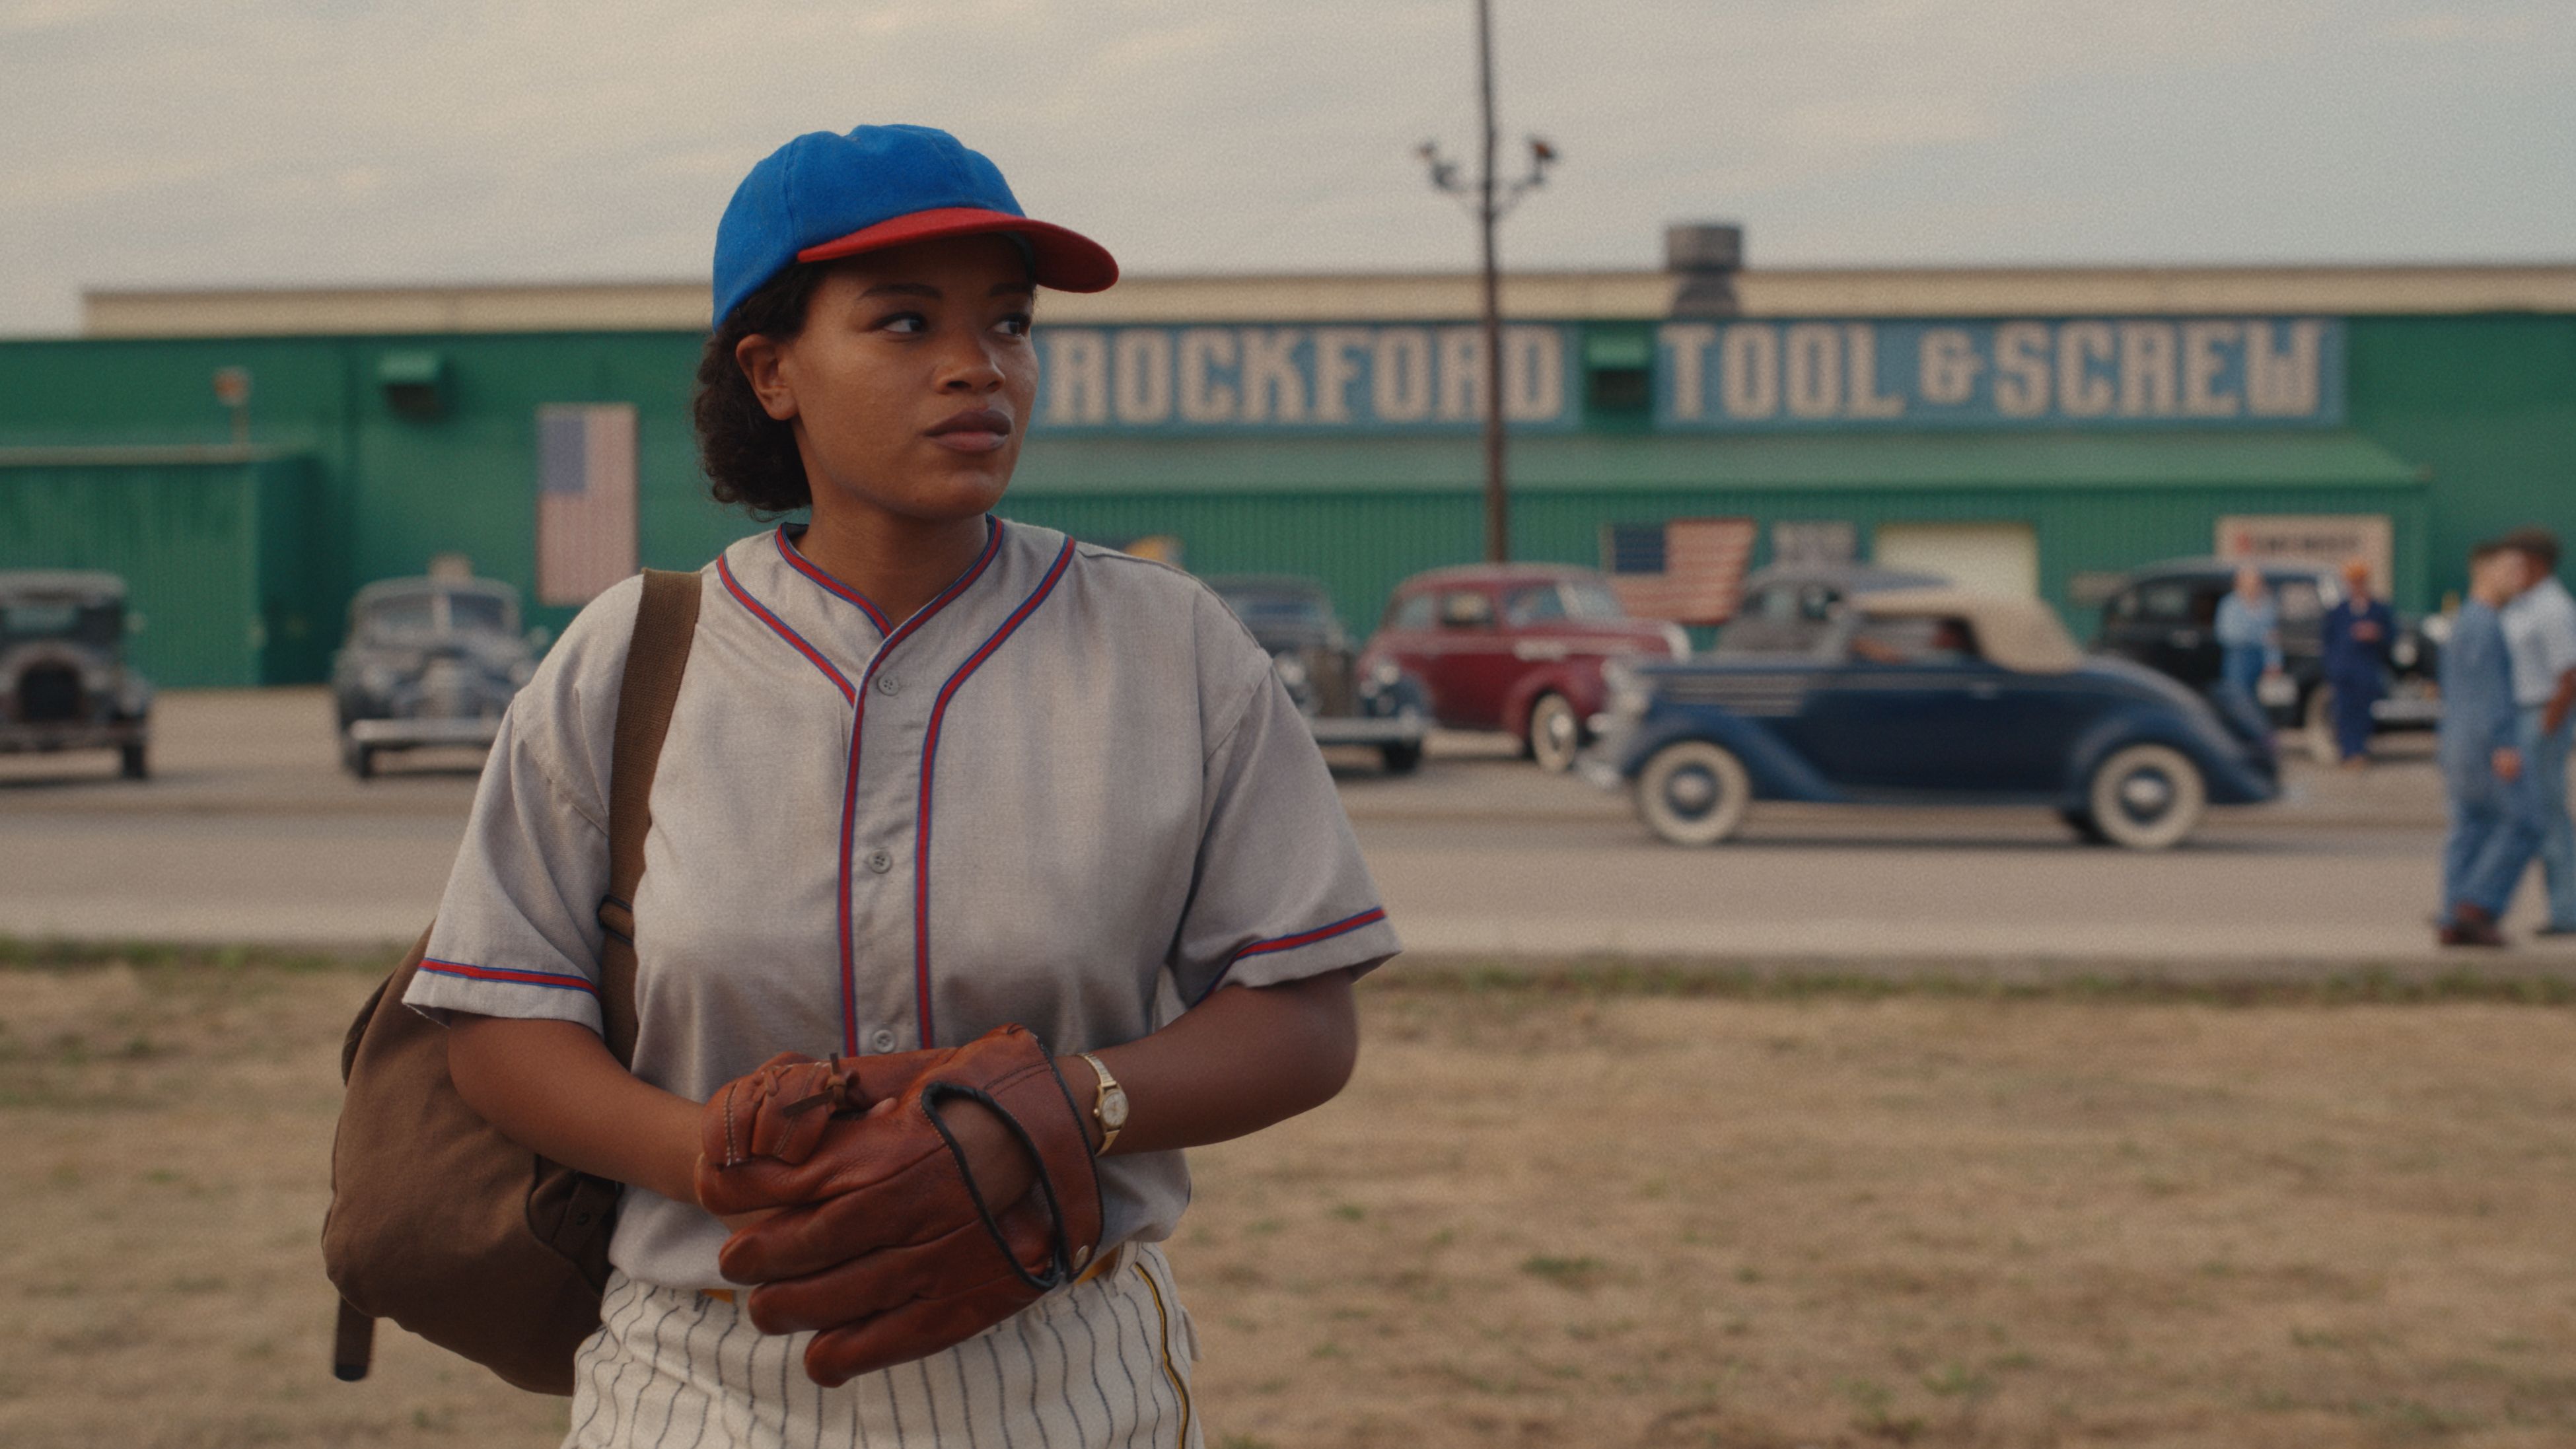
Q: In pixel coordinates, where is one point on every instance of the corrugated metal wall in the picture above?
(213, 556)
(2484, 405)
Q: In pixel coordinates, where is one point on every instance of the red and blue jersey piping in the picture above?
(1345, 925)
(551, 980)
(929, 765)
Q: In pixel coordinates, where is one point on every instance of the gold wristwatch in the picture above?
(1110, 1107)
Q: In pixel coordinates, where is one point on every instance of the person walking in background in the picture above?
(2249, 634)
(2491, 837)
(2540, 636)
(2358, 633)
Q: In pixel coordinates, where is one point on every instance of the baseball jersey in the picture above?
(1069, 793)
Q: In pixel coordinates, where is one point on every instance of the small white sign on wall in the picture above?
(2327, 540)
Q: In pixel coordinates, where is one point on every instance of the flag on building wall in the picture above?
(585, 500)
(1688, 570)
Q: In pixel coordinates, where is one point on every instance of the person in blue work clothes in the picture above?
(2540, 635)
(2358, 633)
(2249, 634)
(2492, 837)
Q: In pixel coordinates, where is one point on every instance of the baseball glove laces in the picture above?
(886, 1244)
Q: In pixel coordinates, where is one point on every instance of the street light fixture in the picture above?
(1489, 200)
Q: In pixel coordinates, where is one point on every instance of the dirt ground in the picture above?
(1541, 1217)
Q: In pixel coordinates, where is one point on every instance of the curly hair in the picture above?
(749, 457)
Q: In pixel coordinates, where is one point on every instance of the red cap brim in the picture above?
(1065, 260)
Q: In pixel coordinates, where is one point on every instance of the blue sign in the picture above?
(2132, 372)
(1373, 378)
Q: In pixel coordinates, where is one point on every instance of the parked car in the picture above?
(428, 661)
(1792, 608)
(1293, 618)
(2165, 615)
(1928, 695)
(62, 665)
(1516, 647)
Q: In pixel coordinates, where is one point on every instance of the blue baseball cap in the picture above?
(823, 196)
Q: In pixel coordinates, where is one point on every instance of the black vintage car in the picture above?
(428, 661)
(64, 682)
(2165, 617)
(1293, 618)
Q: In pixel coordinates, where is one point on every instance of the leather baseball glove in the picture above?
(889, 1248)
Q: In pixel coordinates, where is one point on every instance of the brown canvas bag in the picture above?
(439, 1222)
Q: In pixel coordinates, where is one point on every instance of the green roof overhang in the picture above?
(1943, 460)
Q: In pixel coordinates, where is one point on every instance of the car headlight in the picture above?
(1386, 675)
(1677, 640)
(2403, 654)
(379, 679)
(1292, 671)
(521, 671)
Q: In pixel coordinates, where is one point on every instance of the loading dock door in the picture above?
(1989, 558)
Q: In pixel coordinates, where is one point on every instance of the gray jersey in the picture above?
(1068, 793)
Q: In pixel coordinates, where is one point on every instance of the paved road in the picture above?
(250, 834)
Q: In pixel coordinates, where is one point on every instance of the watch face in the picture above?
(1113, 1111)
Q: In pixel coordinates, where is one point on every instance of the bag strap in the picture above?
(666, 624)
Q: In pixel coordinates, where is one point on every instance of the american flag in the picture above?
(1688, 570)
(585, 500)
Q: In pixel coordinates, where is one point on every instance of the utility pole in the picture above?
(1493, 199)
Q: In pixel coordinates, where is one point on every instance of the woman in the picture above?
(2359, 631)
(1137, 851)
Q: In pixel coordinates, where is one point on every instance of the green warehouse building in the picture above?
(248, 459)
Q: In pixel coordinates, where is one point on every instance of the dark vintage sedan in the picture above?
(428, 661)
(1382, 707)
(1928, 696)
(64, 682)
(2165, 616)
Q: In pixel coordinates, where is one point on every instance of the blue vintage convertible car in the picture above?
(1927, 696)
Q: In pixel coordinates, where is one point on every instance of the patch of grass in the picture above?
(1349, 1212)
(1565, 1272)
(20, 954)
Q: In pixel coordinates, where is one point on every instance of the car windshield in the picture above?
(401, 615)
(1533, 605)
(1259, 608)
(96, 624)
(1589, 599)
(482, 613)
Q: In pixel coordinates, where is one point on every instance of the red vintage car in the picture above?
(1515, 647)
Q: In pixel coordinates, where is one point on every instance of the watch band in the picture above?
(1111, 1118)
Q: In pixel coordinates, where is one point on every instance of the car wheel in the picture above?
(360, 760)
(2146, 797)
(2086, 828)
(1401, 759)
(1693, 792)
(2316, 723)
(132, 762)
(1555, 733)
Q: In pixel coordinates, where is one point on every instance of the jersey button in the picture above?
(880, 862)
(886, 686)
(883, 1040)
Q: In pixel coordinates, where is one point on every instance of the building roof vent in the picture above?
(1704, 257)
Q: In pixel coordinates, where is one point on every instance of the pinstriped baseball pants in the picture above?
(1101, 1365)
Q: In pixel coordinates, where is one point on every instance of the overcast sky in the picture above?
(304, 142)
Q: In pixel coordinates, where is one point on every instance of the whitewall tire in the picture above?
(1693, 792)
(2146, 797)
(1555, 733)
